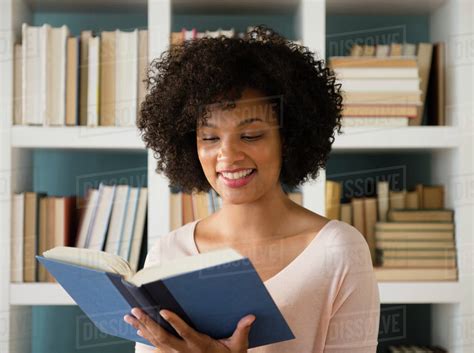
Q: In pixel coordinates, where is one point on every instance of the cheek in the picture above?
(207, 158)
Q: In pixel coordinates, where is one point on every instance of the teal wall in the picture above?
(63, 172)
(96, 21)
(64, 329)
(344, 30)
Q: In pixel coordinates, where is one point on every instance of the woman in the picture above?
(244, 116)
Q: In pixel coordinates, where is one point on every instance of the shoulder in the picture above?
(345, 247)
(169, 246)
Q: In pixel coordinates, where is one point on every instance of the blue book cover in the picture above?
(210, 300)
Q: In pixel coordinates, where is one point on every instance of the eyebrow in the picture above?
(243, 122)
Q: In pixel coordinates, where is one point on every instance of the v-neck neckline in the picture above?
(195, 250)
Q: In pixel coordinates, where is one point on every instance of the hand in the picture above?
(192, 340)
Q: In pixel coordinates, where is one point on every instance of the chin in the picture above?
(239, 198)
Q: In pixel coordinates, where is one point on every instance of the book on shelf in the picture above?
(333, 199)
(436, 94)
(205, 290)
(84, 76)
(107, 71)
(388, 97)
(383, 274)
(424, 56)
(72, 81)
(375, 121)
(126, 71)
(93, 77)
(421, 215)
(383, 199)
(415, 349)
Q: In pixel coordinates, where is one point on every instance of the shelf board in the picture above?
(76, 137)
(419, 292)
(400, 138)
(39, 294)
(390, 293)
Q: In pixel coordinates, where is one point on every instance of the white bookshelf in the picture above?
(451, 147)
(401, 138)
(390, 293)
(76, 137)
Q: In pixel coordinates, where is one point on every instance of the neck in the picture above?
(261, 219)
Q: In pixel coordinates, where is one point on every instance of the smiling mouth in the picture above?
(237, 175)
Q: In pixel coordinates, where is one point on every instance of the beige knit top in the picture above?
(328, 294)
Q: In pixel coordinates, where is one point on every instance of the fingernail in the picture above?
(139, 333)
(125, 318)
(251, 321)
(164, 314)
(136, 313)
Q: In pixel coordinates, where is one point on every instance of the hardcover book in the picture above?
(210, 291)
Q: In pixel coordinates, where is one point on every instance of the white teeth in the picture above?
(237, 175)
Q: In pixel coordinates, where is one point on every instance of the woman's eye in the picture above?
(254, 137)
(209, 138)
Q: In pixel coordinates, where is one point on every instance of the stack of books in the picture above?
(385, 214)
(93, 80)
(185, 208)
(416, 245)
(387, 85)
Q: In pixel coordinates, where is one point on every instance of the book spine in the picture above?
(162, 295)
(139, 297)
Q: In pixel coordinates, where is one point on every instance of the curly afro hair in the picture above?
(206, 71)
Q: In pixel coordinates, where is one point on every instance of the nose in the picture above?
(229, 152)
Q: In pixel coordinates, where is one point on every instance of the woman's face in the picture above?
(240, 148)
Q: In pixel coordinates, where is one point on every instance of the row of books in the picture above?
(388, 85)
(416, 349)
(422, 197)
(114, 221)
(40, 222)
(177, 38)
(92, 79)
(110, 218)
(185, 208)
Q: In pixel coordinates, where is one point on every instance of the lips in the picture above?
(237, 183)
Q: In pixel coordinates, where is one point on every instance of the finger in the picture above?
(181, 327)
(154, 333)
(141, 329)
(239, 338)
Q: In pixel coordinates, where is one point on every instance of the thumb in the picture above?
(240, 336)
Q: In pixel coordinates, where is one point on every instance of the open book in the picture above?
(210, 291)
